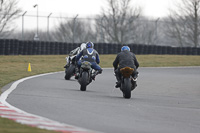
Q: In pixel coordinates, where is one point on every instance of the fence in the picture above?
(17, 47)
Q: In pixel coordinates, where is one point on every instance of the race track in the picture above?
(167, 100)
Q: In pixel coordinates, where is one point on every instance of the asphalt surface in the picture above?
(167, 100)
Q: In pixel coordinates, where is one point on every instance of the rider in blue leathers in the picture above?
(91, 55)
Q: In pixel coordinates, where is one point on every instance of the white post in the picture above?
(48, 26)
(23, 25)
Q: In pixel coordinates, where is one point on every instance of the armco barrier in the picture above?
(17, 47)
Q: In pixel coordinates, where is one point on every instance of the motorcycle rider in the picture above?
(74, 52)
(125, 59)
(91, 55)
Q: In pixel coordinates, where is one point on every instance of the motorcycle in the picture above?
(70, 67)
(85, 77)
(127, 82)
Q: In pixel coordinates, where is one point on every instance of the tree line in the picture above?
(118, 23)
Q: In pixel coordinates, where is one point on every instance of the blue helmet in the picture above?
(89, 45)
(125, 48)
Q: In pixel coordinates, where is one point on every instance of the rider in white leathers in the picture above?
(74, 53)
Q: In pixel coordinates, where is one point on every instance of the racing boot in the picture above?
(66, 66)
(118, 83)
(96, 73)
(76, 73)
(133, 83)
(133, 80)
(68, 62)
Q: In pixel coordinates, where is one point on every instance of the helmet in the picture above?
(82, 46)
(89, 45)
(125, 48)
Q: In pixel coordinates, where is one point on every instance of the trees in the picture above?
(184, 26)
(123, 23)
(8, 12)
(75, 31)
(117, 22)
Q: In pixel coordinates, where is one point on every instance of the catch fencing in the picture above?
(18, 47)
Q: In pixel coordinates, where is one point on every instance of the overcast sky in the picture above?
(84, 8)
(151, 8)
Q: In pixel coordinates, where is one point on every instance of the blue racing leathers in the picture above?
(90, 55)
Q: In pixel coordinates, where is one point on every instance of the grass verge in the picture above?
(9, 126)
(15, 67)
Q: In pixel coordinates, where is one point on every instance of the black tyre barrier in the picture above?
(174, 50)
(198, 51)
(195, 51)
(17, 47)
(66, 49)
(145, 49)
(134, 48)
(30, 48)
(118, 48)
(184, 51)
(155, 50)
(150, 49)
(190, 51)
(100, 48)
(56, 48)
(179, 51)
(43, 48)
(168, 50)
(140, 49)
(112, 48)
(61, 48)
(7, 46)
(2, 47)
(164, 50)
(71, 46)
(12, 47)
(21, 43)
(159, 50)
(105, 49)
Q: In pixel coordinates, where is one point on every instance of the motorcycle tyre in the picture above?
(126, 88)
(84, 81)
(69, 72)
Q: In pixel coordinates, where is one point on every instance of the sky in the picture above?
(151, 8)
(83, 8)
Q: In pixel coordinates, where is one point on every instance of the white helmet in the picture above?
(83, 46)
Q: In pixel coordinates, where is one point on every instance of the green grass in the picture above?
(9, 126)
(168, 60)
(15, 67)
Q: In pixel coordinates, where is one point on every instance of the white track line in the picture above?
(20, 116)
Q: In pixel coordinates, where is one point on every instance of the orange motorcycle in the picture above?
(127, 82)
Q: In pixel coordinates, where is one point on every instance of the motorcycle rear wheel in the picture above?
(84, 81)
(69, 72)
(126, 88)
